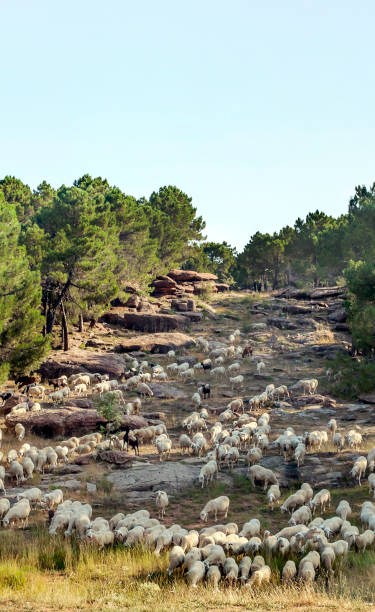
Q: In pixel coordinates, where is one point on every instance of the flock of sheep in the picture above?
(241, 434)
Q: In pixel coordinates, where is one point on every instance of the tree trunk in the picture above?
(65, 332)
(80, 322)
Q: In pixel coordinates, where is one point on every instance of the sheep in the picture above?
(230, 570)
(332, 526)
(299, 454)
(250, 529)
(370, 459)
(18, 513)
(293, 502)
(322, 498)
(258, 472)
(343, 510)
(301, 516)
(36, 391)
(306, 572)
(254, 455)
(236, 405)
(289, 572)
(196, 399)
(371, 484)
(28, 467)
(144, 390)
(12, 455)
(332, 426)
(359, 468)
(163, 447)
(213, 576)
(308, 386)
(367, 538)
(236, 381)
(244, 568)
(4, 506)
(161, 502)
(176, 559)
(190, 540)
(260, 366)
(185, 443)
(53, 499)
(21, 408)
(208, 472)
(259, 577)
(16, 471)
(219, 504)
(354, 439)
(273, 495)
(306, 491)
(196, 573)
(217, 372)
(19, 430)
(101, 538)
(340, 547)
(338, 441)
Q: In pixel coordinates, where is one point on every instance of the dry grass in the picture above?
(323, 334)
(54, 574)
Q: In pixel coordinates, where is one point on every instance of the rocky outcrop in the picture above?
(78, 360)
(66, 421)
(165, 391)
(116, 457)
(153, 322)
(156, 343)
(181, 276)
(310, 293)
(181, 282)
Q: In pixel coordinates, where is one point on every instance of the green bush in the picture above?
(352, 376)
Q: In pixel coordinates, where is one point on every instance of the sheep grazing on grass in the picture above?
(214, 506)
(359, 469)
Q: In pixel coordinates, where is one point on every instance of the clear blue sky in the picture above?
(261, 111)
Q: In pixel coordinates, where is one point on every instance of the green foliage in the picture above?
(352, 376)
(216, 257)
(21, 344)
(107, 407)
(13, 577)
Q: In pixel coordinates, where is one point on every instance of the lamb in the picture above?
(273, 495)
(161, 502)
(176, 559)
(208, 472)
(19, 430)
(359, 468)
(289, 572)
(196, 573)
(258, 472)
(321, 499)
(220, 504)
(343, 510)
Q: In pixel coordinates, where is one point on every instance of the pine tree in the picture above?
(22, 345)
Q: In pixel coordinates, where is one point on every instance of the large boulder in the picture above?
(165, 391)
(324, 292)
(191, 275)
(153, 323)
(156, 343)
(66, 421)
(339, 316)
(77, 360)
(116, 457)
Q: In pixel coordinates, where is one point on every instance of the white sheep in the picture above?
(260, 366)
(53, 499)
(19, 430)
(236, 381)
(301, 516)
(371, 484)
(219, 504)
(359, 469)
(208, 472)
(273, 495)
(196, 573)
(343, 510)
(161, 502)
(19, 513)
(258, 472)
(289, 572)
(338, 441)
(321, 499)
(144, 390)
(16, 471)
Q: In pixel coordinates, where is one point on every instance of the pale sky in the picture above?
(261, 111)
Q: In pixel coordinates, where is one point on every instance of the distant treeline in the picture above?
(66, 253)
